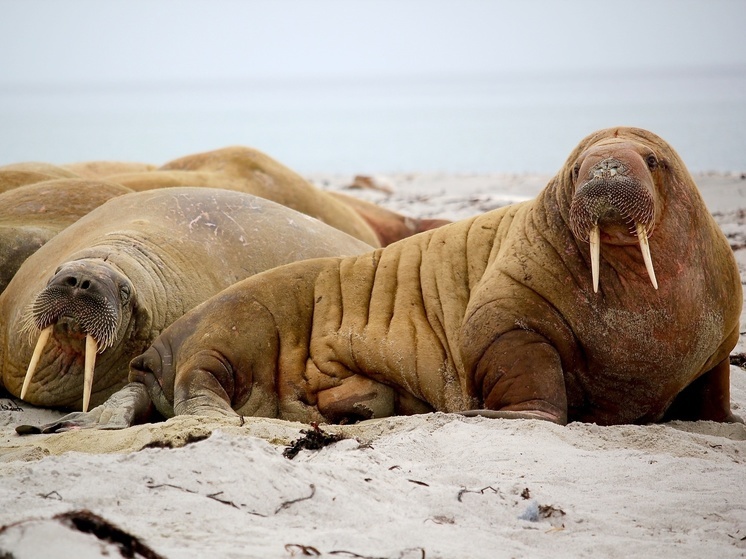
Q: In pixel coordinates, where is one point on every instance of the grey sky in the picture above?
(91, 40)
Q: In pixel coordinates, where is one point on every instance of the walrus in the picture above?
(20, 174)
(249, 170)
(274, 181)
(30, 215)
(257, 173)
(98, 292)
(308, 200)
(389, 226)
(612, 298)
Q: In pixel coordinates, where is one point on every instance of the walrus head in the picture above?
(84, 306)
(614, 200)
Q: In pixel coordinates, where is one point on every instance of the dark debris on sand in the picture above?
(311, 439)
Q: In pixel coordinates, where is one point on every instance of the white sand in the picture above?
(419, 487)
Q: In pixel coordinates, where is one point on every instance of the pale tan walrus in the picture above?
(20, 174)
(100, 291)
(249, 170)
(514, 312)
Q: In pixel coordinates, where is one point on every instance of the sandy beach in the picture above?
(422, 487)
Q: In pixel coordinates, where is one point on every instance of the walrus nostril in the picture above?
(74, 281)
(608, 167)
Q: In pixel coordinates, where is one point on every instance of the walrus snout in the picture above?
(83, 297)
(88, 295)
(618, 202)
(614, 196)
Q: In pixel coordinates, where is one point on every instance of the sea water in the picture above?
(458, 124)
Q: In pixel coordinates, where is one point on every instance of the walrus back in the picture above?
(394, 315)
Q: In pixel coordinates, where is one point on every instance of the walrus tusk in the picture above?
(43, 337)
(91, 348)
(595, 240)
(642, 236)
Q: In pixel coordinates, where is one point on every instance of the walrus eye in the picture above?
(575, 172)
(652, 162)
(124, 293)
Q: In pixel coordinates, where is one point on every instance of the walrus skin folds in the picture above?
(495, 315)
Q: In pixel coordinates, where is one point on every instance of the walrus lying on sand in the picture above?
(612, 297)
(109, 283)
(19, 174)
(249, 170)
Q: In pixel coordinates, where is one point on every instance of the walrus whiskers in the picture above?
(43, 337)
(642, 235)
(96, 316)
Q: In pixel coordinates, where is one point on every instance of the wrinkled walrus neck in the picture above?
(614, 205)
(83, 300)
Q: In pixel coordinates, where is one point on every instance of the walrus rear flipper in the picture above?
(129, 406)
(705, 399)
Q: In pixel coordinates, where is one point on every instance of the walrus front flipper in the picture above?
(198, 388)
(503, 414)
(520, 376)
(129, 406)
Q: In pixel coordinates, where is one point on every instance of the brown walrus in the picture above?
(495, 315)
(113, 280)
(388, 225)
(30, 215)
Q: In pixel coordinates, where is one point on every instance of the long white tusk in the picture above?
(41, 342)
(595, 240)
(642, 236)
(91, 348)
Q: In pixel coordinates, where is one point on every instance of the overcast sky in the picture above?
(94, 40)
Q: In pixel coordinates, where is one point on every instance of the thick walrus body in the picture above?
(122, 273)
(508, 314)
(249, 170)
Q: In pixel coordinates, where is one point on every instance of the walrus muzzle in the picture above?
(612, 197)
(83, 303)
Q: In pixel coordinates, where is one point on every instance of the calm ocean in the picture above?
(507, 124)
